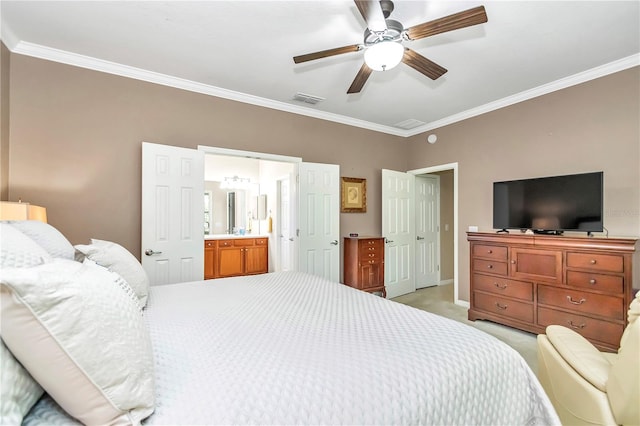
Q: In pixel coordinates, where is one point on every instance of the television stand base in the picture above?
(547, 232)
(502, 231)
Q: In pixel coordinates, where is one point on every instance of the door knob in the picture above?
(334, 242)
(150, 252)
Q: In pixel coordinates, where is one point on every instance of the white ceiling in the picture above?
(243, 50)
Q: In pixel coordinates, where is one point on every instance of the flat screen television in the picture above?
(550, 205)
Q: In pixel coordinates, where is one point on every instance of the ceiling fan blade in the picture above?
(361, 79)
(371, 11)
(326, 53)
(422, 64)
(463, 19)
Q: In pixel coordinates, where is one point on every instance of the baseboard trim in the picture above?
(462, 303)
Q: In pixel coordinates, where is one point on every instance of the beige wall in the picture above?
(76, 145)
(589, 127)
(4, 121)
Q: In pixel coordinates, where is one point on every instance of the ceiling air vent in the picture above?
(409, 124)
(307, 99)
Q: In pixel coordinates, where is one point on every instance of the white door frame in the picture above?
(456, 269)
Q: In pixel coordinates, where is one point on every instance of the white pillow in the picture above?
(19, 390)
(48, 237)
(118, 259)
(81, 337)
(18, 250)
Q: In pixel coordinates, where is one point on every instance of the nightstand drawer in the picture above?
(503, 287)
(593, 281)
(490, 266)
(590, 328)
(596, 262)
(578, 301)
(490, 252)
(506, 307)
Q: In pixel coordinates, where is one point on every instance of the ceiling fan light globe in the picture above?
(384, 55)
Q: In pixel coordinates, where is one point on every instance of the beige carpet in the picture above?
(439, 300)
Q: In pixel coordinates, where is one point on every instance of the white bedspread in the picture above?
(290, 348)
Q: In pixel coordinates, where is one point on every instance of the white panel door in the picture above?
(427, 231)
(284, 228)
(398, 229)
(319, 220)
(172, 213)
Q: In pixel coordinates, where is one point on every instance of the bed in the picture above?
(292, 348)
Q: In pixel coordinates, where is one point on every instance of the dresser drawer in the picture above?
(593, 281)
(370, 255)
(503, 287)
(506, 307)
(369, 246)
(595, 261)
(490, 252)
(591, 328)
(490, 266)
(209, 244)
(582, 302)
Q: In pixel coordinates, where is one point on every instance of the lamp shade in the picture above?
(22, 211)
(383, 55)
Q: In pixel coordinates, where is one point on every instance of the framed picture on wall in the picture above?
(353, 197)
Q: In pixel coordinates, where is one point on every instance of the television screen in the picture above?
(558, 203)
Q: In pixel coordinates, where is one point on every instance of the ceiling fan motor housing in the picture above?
(392, 33)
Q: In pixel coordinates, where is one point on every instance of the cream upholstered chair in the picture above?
(589, 387)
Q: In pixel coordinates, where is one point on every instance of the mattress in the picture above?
(292, 348)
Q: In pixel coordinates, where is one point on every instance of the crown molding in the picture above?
(88, 62)
(563, 83)
(61, 56)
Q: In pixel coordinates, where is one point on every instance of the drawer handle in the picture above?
(576, 302)
(372, 261)
(592, 261)
(576, 327)
(513, 262)
(503, 307)
(490, 251)
(372, 255)
(490, 266)
(592, 281)
(500, 286)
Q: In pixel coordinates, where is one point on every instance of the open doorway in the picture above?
(447, 260)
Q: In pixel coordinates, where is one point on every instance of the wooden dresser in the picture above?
(230, 257)
(364, 264)
(532, 281)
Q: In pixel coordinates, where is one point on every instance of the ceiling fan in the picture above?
(383, 40)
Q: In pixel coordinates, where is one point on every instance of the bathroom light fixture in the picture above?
(235, 182)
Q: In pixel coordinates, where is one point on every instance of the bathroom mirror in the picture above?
(234, 211)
